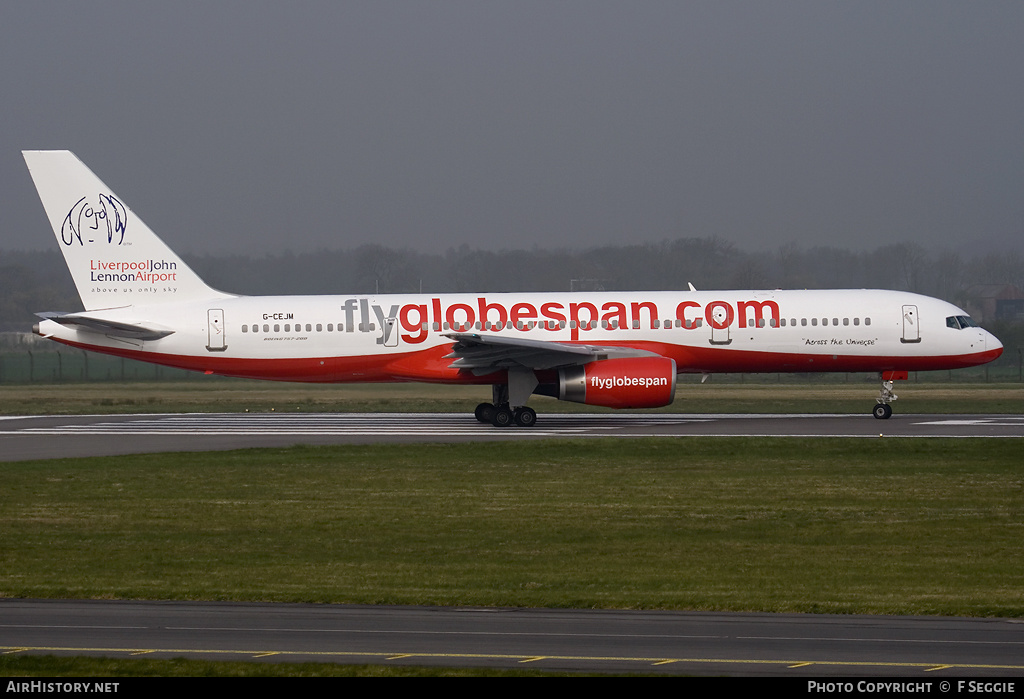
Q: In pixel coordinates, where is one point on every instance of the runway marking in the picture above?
(385, 424)
(790, 664)
(1003, 421)
(456, 426)
(422, 632)
(869, 639)
(532, 634)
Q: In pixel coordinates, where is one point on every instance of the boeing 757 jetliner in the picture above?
(615, 349)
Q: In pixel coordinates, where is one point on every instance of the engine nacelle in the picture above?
(629, 382)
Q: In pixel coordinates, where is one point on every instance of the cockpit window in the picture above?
(960, 322)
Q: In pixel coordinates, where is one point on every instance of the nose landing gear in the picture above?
(883, 409)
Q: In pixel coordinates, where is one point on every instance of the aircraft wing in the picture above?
(482, 354)
(112, 328)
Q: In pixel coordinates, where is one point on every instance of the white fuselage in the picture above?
(404, 337)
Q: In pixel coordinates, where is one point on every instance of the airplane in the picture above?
(613, 349)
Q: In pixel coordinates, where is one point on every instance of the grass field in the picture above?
(848, 526)
(62, 666)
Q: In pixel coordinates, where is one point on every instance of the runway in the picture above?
(49, 437)
(921, 649)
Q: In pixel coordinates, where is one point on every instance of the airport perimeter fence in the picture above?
(77, 366)
(27, 359)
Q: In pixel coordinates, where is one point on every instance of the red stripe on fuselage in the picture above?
(430, 365)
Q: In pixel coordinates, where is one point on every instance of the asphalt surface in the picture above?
(49, 437)
(924, 649)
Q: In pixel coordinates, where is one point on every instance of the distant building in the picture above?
(990, 302)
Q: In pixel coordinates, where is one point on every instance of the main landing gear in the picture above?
(504, 416)
(508, 406)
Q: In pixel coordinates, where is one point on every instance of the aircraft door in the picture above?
(391, 332)
(911, 328)
(215, 328)
(721, 319)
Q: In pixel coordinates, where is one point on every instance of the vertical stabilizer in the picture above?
(114, 258)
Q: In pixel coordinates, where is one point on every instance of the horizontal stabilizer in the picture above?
(112, 328)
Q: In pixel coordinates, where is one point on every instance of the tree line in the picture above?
(39, 281)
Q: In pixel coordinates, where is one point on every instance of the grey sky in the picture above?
(252, 127)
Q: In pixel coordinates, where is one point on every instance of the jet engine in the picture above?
(628, 382)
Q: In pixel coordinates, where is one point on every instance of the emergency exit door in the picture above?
(216, 341)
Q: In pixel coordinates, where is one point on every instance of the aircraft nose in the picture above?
(992, 344)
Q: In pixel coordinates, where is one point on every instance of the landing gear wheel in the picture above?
(883, 411)
(526, 417)
(502, 416)
(484, 412)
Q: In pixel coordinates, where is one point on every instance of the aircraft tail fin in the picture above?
(114, 258)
